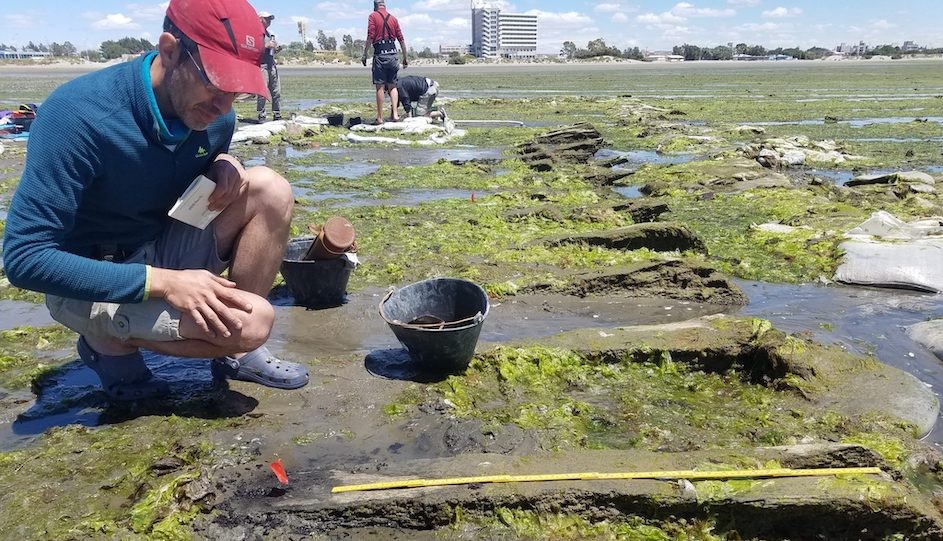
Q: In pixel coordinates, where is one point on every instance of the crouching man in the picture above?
(107, 158)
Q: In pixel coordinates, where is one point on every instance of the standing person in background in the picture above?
(382, 32)
(269, 71)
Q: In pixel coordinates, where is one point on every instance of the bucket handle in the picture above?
(422, 326)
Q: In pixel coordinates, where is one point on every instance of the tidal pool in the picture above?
(399, 198)
(854, 123)
(867, 321)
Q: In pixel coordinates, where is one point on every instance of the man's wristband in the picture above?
(147, 282)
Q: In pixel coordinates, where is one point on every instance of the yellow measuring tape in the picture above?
(595, 476)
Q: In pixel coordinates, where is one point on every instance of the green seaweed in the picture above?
(28, 353)
(508, 523)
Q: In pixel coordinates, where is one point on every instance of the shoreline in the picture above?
(423, 63)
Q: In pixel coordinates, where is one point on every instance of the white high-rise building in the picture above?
(502, 35)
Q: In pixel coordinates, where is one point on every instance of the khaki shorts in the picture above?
(424, 105)
(179, 247)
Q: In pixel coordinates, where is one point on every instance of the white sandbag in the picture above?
(884, 225)
(433, 139)
(912, 265)
(886, 251)
(354, 138)
(309, 120)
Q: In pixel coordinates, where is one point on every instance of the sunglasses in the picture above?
(210, 86)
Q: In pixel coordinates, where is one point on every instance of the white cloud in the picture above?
(441, 5)
(882, 24)
(568, 19)
(659, 19)
(680, 13)
(114, 21)
(743, 2)
(19, 20)
(339, 10)
(685, 9)
(781, 13)
(675, 32)
(608, 8)
(416, 19)
(149, 12)
(459, 23)
(620, 18)
(759, 27)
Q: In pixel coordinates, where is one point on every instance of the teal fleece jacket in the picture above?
(97, 174)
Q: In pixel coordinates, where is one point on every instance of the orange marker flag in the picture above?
(279, 471)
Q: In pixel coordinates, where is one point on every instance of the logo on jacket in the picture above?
(201, 152)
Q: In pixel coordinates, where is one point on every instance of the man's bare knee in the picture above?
(269, 190)
(257, 327)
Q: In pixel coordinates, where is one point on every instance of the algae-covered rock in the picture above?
(787, 151)
(828, 376)
(643, 210)
(573, 144)
(723, 174)
(675, 279)
(647, 508)
(659, 237)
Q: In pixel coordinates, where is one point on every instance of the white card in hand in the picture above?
(192, 207)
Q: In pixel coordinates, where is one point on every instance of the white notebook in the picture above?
(192, 207)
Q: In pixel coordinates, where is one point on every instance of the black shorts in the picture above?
(385, 69)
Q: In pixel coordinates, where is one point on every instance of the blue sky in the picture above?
(428, 23)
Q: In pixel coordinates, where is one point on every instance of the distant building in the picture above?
(9, 54)
(749, 57)
(663, 56)
(446, 50)
(910, 47)
(502, 35)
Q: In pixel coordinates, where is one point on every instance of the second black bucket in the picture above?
(438, 321)
(315, 283)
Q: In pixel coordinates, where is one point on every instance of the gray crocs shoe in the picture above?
(123, 377)
(260, 366)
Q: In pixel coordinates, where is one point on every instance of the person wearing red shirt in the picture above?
(383, 32)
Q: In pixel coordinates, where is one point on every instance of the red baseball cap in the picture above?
(229, 36)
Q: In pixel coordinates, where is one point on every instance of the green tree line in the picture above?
(353, 48)
(598, 48)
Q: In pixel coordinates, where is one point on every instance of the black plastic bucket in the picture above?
(335, 119)
(438, 321)
(320, 283)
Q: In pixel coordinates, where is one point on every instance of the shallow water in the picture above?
(405, 198)
(359, 157)
(843, 176)
(639, 157)
(854, 123)
(343, 170)
(863, 320)
(628, 192)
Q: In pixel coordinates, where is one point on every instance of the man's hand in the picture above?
(405, 62)
(210, 300)
(230, 179)
(363, 60)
